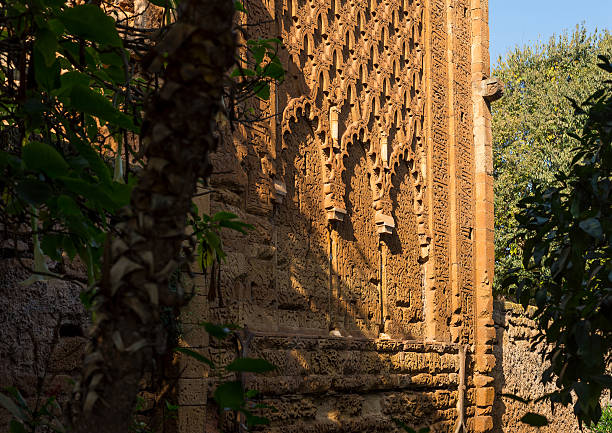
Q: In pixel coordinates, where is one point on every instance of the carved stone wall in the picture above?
(369, 190)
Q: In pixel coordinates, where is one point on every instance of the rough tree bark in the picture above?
(177, 135)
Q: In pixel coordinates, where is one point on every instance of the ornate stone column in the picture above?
(485, 90)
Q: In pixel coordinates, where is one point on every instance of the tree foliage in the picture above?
(67, 97)
(533, 121)
(565, 236)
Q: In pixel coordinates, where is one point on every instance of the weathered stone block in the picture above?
(485, 362)
(192, 392)
(483, 424)
(485, 396)
(191, 419)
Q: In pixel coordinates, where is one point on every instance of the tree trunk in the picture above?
(177, 136)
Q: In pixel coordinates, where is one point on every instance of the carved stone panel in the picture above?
(302, 241)
(357, 275)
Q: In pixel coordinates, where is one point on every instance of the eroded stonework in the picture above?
(370, 264)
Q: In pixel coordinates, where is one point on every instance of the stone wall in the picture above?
(369, 187)
(42, 327)
(518, 369)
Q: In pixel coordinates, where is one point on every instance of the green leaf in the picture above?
(34, 107)
(51, 245)
(259, 53)
(11, 406)
(68, 207)
(534, 419)
(121, 193)
(253, 420)
(46, 44)
(262, 91)
(16, 427)
(195, 355)
(216, 331)
(96, 197)
(229, 395)
(251, 393)
(91, 23)
(252, 365)
(47, 77)
(239, 72)
(592, 226)
(223, 216)
(171, 406)
(214, 242)
(73, 78)
(238, 226)
(88, 101)
(239, 6)
(275, 71)
(33, 191)
(42, 157)
(94, 160)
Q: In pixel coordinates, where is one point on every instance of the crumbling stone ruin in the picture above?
(367, 277)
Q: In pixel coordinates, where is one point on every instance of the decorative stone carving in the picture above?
(491, 89)
(365, 270)
(362, 65)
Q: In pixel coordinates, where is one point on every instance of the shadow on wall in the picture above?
(314, 296)
(42, 328)
(519, 367)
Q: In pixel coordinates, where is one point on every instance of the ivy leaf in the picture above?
(534, 419)
(229, 395)
(251, 365)
(43, 157)
(91, 23)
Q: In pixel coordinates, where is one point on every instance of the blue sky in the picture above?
(520, 22)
